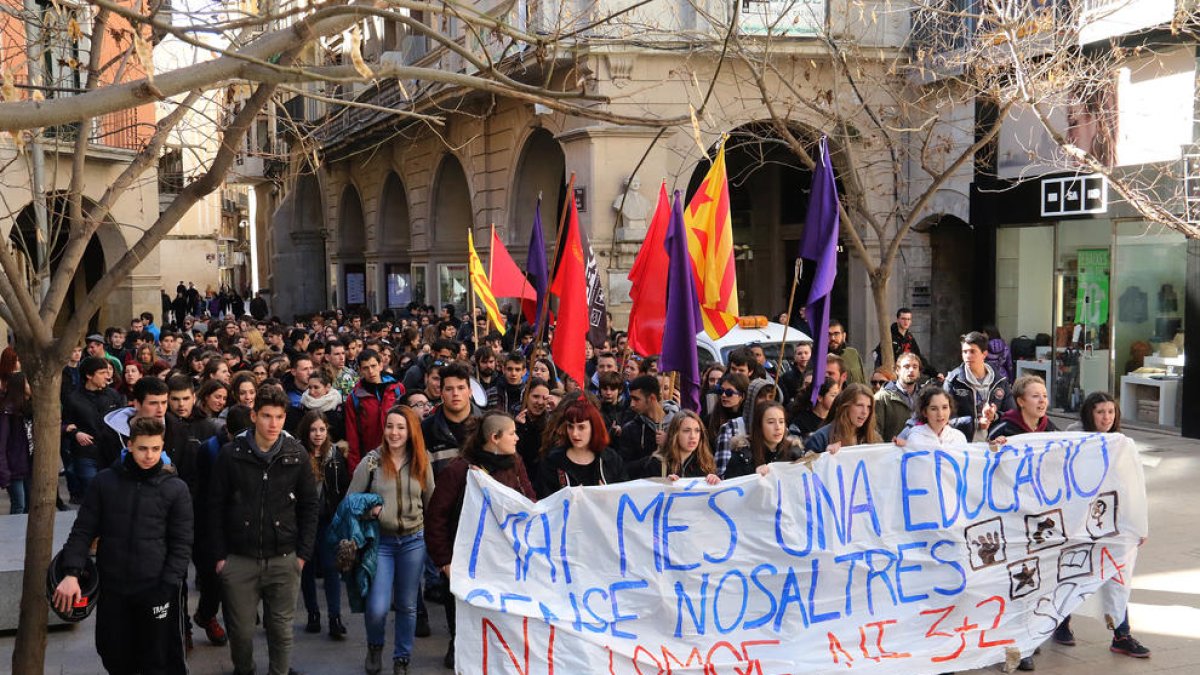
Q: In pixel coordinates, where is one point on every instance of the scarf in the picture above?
(981, 386)
(491, 462)
(330, 401)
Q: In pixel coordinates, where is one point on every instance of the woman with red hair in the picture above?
(399, 471)
(585, 459)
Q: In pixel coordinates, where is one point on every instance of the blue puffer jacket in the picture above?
(354, 522)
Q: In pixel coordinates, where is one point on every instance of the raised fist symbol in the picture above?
(989, 546)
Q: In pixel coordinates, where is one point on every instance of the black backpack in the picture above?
(1023, 348)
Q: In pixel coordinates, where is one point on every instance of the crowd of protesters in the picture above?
(333, 452)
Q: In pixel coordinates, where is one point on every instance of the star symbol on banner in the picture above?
(701, 198)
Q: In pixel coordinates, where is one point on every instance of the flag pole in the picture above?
(562, 219)
(471, 292)
(491, 252)
(797, 271)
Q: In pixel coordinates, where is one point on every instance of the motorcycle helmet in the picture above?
(89, 587)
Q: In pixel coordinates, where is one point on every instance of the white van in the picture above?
(750, 331)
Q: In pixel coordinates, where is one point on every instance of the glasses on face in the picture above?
(730, 392)
(422, 404)
(878, 383)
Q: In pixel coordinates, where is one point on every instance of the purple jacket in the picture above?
(14, 448)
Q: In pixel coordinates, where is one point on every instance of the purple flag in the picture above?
(819, 244)
(535, 263)
(683, 313)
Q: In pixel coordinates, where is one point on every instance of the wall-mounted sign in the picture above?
(1074, 195)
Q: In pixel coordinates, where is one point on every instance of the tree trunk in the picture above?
(45, 378)
(879, 293)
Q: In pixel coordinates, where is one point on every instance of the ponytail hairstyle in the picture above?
(481, 431)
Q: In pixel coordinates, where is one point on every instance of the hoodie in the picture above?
(740, 425)
(1012, 423)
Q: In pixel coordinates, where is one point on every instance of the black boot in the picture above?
(449, 660)
(422, 623)
(337, 630)
(374, 662)
(314, 623)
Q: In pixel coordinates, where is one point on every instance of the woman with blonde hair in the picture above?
(852, 421)
(685, 452)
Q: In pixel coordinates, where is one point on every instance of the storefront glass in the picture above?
(453, 286)
(1109, 298)
(1148, 297)
(1082, 340)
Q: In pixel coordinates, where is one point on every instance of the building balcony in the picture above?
(943, 28)
(118, 130)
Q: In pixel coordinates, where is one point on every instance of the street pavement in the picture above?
(1165, 610)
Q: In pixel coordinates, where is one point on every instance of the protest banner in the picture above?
(878, 558)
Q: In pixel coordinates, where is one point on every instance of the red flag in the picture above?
(508, 281)
(648, 280)
(570, 285)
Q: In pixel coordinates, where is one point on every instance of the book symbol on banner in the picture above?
(985, 541)
(1045, 530)
(1075, 561)
(1102, 516)
(1024, 577)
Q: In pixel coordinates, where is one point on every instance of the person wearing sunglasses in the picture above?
(731, 392)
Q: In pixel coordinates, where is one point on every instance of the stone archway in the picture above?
(541, 171)
(101, 252)
(299, 264)
(351, 249)
(451, 210)
(768, 203)
(955, 288)
(392, 254)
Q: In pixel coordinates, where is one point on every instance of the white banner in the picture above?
(875, 559)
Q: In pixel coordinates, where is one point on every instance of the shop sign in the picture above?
(1074, 195)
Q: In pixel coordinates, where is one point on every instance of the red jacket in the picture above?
(365, 414)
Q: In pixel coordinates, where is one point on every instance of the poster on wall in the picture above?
(356, 288)
(1091, 299)
(399, 289)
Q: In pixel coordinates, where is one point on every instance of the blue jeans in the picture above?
(398, 578)
(85, 470)
(16, 496)
(333, 582)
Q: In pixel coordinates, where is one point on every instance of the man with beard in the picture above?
(850, 356)
(485, 367)
(894, 402)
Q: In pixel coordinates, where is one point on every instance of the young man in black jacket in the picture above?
(262, 509)
(142, 514)
(93, 446)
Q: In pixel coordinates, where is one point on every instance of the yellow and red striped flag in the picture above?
(710, 246)
(483, 288)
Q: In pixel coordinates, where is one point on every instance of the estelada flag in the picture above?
(570, 285)
(648, 283)
(508, 281)
(483, 288)
(710, 246)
